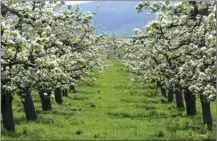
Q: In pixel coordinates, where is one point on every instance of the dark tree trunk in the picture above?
(162, 88)
(58, 95)
(72, 88)
(179, 98)
(158, 84)
(163, 91)
(7, 114)
(207, 117)
(45, 99)
(29, 108)
(65, 92)
(170, 95)
(119, 56)
(190, 103)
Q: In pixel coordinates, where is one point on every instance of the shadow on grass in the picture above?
(146, 107)
(151, 115)
(139, 100)
(42, 118)
(20, 120)
(77, 97)
(83, 92)
(59, 111)
(11, 134)
(134, 87)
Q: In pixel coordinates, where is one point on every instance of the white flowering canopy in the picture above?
(45, 49)
(178, 48)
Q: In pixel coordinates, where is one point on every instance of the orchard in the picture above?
(178, 52)
(52, 53)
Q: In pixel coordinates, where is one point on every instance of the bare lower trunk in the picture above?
(170, 95)
(58, 95)
(45, 99)
(7, 113)
(29, 107)
(65, 92)
(158, 84)
(163, 91)
(72, 88)
(190, 103)
(207, 117)
(179, 98)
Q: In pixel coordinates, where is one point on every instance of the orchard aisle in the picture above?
(114, 108)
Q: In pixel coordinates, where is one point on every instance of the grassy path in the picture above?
(114, 108)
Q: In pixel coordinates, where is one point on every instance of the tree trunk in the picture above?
(58, 95)
(163, 91)
(158, 84)
(170, 95)
(72, 88)
(179, 98)
(45, 99)
(7, 113)
(207, 117)
(29, 108)
(65, 92)
(190, 103)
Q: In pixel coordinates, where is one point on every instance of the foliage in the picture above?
(178, 48)
(43, 49)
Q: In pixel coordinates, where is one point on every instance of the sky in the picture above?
(75, 2)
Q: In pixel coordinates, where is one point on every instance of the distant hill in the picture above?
(117, 17)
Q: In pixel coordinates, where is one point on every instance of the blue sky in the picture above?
(75, 2)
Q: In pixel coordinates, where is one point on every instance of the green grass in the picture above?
(114, 108)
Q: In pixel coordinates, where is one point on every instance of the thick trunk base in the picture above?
(158, 84)
(72, 88)
(190, 103)
(179, 98)
(45, 100)
(65, 92)
(7, 113)
(58, 95)
(207, 117)
(170, 95)
(163, 91)
(29, 107)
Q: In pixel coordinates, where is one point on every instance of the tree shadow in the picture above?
(151, 115)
